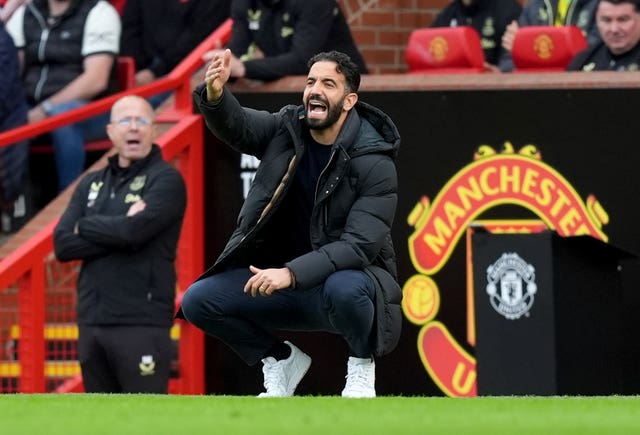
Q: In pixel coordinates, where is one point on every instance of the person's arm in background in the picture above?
(215, 11)
(67, 243)
(240, 35)
(164, 202)
(9, 8)
(309, 36)
(8, 59)
(14, 27)
(512, 15)
(94, 80)
(506, 62)
(101, 44)
(443, 19)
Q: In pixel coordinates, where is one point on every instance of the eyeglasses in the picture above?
(127, 121)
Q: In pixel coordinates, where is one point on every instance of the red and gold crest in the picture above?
(492, 179)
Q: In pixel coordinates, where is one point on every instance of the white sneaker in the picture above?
(282, 377)
(361, 378)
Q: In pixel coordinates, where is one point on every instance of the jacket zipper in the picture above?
(325, 212)
(315, 197)
(44, 37)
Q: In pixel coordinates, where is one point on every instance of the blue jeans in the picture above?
(68, 142)
(157, 100)
(342, 305)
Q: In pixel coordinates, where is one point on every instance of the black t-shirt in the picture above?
(286, 235)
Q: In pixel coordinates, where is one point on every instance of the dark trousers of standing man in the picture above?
(342, 305)
(125, 359)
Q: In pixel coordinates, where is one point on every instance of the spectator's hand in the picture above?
(208, 56)
(136, 208)
(36, 114)
(144, 77)
(257, 53)
(217, 74)
(237, 67)
(490, 68)
(267, 281)
(509, 35)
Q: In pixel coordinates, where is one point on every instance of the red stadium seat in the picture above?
(125, 73)
(546, 48)
(118, 4)
(445, 50)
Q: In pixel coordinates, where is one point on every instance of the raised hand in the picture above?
(217, 74)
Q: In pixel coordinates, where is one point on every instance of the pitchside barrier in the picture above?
(521, 153)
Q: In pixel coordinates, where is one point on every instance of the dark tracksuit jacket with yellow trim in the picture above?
(289, 33)
(128, 275)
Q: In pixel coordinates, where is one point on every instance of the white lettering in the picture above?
(248, 162)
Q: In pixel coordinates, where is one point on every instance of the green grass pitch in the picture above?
(192, 415)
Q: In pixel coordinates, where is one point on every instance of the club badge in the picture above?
(511, 286)
(147, 365)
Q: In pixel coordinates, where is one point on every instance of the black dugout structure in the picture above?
(548, 314)
(582, 124)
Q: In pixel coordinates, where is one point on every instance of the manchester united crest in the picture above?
(511, 286)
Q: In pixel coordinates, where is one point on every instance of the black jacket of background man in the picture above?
(289, 33)
(159, 34)
(489, 17)
(597, 57)
(127, 276)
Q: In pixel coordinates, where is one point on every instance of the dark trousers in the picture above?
(342, 305)
(125, 359)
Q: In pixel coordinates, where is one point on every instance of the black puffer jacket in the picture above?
(355, 199)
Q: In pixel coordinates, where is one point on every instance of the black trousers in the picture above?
(125, 359)
(342, 305)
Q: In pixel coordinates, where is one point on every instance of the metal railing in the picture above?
(30, 273)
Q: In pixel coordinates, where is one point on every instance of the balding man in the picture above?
(124, 222)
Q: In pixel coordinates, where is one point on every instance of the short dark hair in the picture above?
(635, 3)
(345, 66)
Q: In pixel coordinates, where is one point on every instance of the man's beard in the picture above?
(333, 114)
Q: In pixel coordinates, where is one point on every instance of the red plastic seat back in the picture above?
(546, 48)
(118, 4)
(125, 73)
(445, 49)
